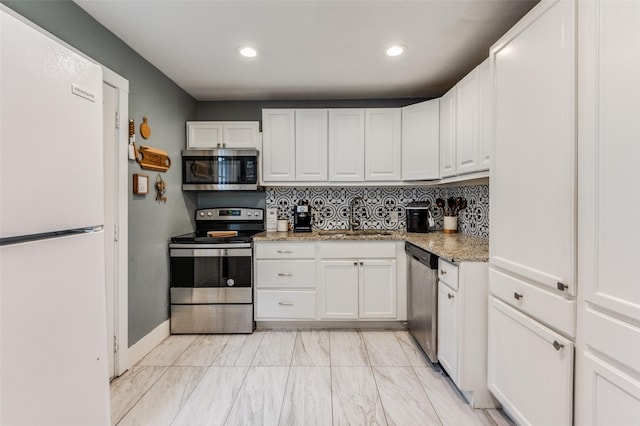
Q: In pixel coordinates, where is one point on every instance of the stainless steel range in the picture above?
(212, 272)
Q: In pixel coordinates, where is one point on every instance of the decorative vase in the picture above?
(450, 224)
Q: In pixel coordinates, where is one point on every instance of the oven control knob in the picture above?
(201, 214)
(230, 282)
(249, 214)
(209, 214)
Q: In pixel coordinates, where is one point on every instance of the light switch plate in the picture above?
(393, 216)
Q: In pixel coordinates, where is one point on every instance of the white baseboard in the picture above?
(145, 345)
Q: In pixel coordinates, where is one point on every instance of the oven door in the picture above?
(202, 275)
(219, 170)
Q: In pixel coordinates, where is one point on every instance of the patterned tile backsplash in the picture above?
(331, 205)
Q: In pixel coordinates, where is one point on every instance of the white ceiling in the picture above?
(310, 49)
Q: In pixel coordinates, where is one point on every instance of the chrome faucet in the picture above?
(355, 223)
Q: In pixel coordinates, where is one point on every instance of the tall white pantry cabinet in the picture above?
(608, 341)
(532, 280)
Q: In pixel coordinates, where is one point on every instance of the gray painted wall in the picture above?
(167, 107)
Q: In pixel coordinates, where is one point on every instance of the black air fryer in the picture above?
(419, 217)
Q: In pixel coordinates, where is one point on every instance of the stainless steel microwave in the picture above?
(220, 170)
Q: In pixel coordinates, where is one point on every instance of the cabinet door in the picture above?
(346, 145)
(204, 134)
(533, 174)
(530, 369)
(311, 145)
(613, 396)
(448, 330)
(467, 137)
(485, 115)
(240, 134)
(609, 152)
(421, 141)
(278, 145)
(448, 133)
(383, 144)
(377, 289)
(338, 289)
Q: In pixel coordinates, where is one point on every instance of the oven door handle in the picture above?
(210, 252)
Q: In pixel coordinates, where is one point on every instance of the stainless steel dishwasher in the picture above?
(422, 312)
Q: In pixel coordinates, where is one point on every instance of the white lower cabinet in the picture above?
(448, 330)
(339, 289)
(377, 289)
(285, 281)
(614, 395)
(530, 367)
(356, 288)
(462, 328)
(329, 281)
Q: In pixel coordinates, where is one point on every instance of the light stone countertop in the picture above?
(452, 247)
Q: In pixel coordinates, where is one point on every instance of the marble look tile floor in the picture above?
(305, 377)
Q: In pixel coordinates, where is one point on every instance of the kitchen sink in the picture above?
(347, 232)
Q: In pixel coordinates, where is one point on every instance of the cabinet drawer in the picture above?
(448, 273)
(285, 273)
(285, 251)
(357, 250)
(530, 367)
(555, 311)
(278, 304)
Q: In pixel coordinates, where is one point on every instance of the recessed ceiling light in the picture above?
(248, 52)
(396, 50)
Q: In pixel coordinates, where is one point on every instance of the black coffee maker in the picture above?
(302, 217)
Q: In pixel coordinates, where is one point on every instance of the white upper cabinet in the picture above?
(533, 172)
(421, 141)
(278, 145)
(448, 134)
(467, 123)
(383, 135)
(311, 145)
(485, 115)
(346, 145)
(222, 134)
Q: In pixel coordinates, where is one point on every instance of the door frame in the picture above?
(121, 299)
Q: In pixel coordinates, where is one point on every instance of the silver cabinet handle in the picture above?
(443, 272)
(284, 251)
(557, 345)
(450, 296)
(285, 303)
(285, 274)
(518, 296)
(562, 287)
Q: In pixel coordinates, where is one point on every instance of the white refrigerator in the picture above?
(53, 355)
